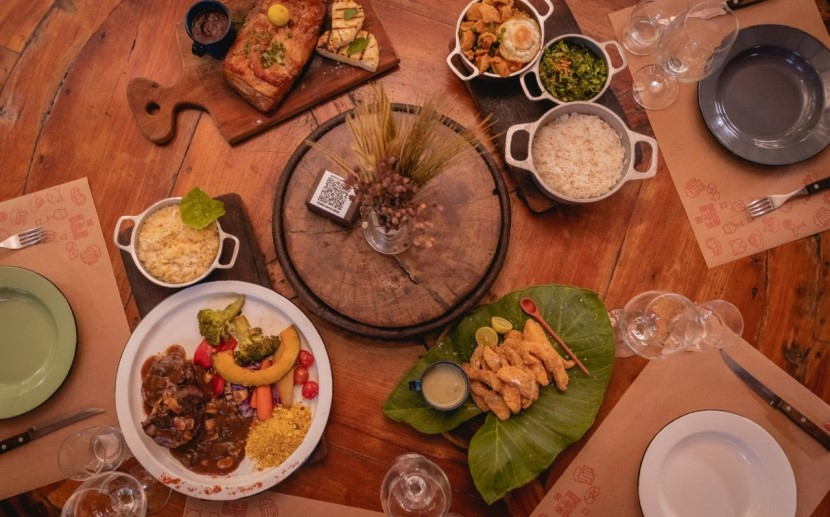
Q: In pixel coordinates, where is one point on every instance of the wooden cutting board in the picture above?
(202, 85)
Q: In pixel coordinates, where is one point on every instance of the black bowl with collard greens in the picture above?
(505, 455)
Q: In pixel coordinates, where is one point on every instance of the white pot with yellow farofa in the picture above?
(580, 152)
(170, 253)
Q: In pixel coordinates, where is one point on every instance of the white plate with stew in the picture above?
(174, 321)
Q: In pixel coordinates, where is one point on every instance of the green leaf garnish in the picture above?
(349, 13)
(358, 45)
(199, 210)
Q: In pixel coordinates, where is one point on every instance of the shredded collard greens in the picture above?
(572, 72)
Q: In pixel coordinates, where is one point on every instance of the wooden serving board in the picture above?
(341, 279)
(202, 85)
(507, 104)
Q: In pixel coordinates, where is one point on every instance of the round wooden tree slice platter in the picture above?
(341, 279)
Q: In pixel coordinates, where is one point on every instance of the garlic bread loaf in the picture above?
(266, 59)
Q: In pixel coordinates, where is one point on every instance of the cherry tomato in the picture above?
(217, 384)
(228, 344)
(201, 356)
(300, 375)
(310, 390)
(305, 359)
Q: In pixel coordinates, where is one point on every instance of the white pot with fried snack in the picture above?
(497, 40)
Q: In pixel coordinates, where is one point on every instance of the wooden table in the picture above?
(64, 67)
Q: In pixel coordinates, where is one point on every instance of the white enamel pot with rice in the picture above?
(466, 69)
(595, 47)
(138, 222)
(628, 140)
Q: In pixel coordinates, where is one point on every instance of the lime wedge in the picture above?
(487, 336)
(501, 325)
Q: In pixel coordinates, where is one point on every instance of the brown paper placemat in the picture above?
(507, 104)
(75, 259)
(715, 185)
(602, 479)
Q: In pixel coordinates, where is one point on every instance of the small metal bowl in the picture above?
(629, 139)
(598, 49)
(135, 230)
(467, 70)
(442, 396)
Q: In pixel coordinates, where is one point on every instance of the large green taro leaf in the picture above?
(506, 455)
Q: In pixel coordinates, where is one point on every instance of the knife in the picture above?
(737, 4)
(777, 402)
(38, 430)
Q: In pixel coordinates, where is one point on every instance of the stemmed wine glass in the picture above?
(99, 450)
(693, 45)
(648, 20)
(415, 486)
(107, 494)
(657, 324)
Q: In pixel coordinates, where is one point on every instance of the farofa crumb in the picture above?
(271, 442)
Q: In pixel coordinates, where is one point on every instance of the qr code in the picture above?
(333, 194)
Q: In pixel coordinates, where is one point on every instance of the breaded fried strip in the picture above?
(521, 379)
(492, 358)
(493, 400)
(512, 397)
(537, 343)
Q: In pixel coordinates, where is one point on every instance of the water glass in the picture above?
(108, 494)
(658, 324)
(648, 20)
(693, 45)
(92, 450)
(415, 486)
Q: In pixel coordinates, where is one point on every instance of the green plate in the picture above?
(38, 341)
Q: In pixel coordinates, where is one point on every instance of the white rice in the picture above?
(578, 155)
(173, 252)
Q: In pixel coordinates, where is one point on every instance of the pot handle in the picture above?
(222, 237)
(463, 73)
(614, 70)
(633, 173)
(129, 247)
(542, 17)
(527, 163)
(529, 95)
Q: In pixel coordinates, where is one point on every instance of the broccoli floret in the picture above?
(214, 325)
(252, 345)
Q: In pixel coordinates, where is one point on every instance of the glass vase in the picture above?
(386, 241)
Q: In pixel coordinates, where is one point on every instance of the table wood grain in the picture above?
(64, 71)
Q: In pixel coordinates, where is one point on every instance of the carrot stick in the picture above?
(252, 403)
(264, 399)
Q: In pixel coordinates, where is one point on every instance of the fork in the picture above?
(24, 239)
(765, 205)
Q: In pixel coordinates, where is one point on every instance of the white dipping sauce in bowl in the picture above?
(444, 385)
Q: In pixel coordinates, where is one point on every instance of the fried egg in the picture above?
(519, 39)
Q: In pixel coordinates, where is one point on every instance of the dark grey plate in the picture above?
(768, 102)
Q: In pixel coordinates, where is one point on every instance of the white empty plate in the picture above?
(717, 464)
